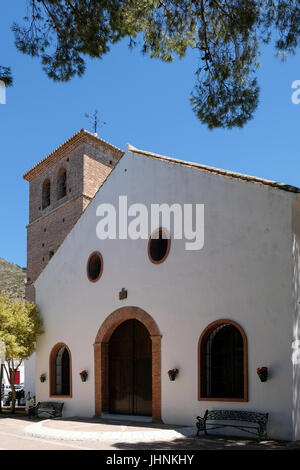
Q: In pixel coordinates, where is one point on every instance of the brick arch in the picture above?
(52, 370)
(61, 183)
(46, 193)
(101, 358)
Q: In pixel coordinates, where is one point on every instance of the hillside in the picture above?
(12, 280)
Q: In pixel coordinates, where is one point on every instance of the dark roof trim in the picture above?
(216, 171)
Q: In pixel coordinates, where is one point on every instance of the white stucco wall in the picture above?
(244, 273)
(296, 319)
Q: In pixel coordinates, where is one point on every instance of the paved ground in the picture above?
(107, 431)
(13, 437)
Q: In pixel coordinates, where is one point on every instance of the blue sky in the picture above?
(144, 102)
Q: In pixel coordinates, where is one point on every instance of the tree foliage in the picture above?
(6, 76)
(227, 34)
(20, 326)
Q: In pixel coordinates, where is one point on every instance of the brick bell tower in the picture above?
(61, 187)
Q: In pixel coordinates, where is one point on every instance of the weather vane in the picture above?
(95, 121)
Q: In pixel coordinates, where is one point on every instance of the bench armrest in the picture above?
(201, 424)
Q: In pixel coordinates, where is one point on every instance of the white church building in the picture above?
(124, 303)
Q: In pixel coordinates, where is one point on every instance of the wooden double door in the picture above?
(130, 369)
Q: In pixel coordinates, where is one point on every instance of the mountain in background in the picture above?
(12, 280)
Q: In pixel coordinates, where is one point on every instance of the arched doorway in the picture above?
(101, 357)
(130, 369)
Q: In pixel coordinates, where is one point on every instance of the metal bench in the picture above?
(46, 409)
(258, 427)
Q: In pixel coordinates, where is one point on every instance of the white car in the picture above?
(19, 387)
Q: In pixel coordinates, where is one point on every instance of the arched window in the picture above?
(62, 183)
(46, 197)
(60, 371)
(222, 352)
(159, 246)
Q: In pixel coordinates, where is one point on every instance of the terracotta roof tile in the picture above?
(81, 136)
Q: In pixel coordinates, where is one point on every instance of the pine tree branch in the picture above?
(207, 50)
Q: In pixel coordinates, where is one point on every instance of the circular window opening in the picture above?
(159, 246)
(94, 266)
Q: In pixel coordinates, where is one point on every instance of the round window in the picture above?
(159, 246)
(94, 266)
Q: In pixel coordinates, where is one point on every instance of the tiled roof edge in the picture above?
(61, 149)
(230, 174)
